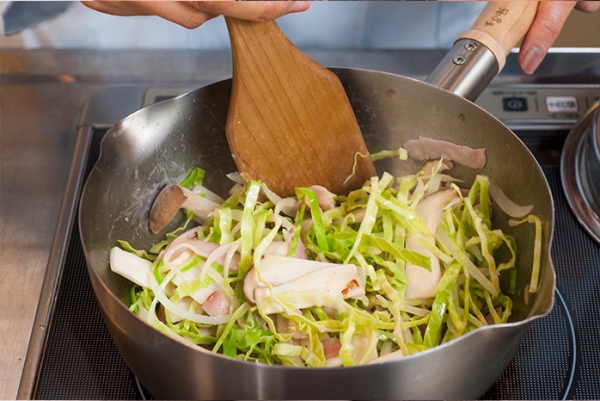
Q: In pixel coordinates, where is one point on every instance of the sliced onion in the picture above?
(286, 206)
(505, 203)
(479, 276)
(235, 177)
(272, 196)
(202, 248)
(207, 193)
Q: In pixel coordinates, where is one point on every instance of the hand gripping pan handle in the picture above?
(479, 53)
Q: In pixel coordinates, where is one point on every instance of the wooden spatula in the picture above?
(290, 122)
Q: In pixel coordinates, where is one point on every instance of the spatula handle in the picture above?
(501, 26)
(256, 43)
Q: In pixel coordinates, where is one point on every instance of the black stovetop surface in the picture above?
(558, 358)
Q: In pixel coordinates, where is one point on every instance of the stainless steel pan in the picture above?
(163, 142)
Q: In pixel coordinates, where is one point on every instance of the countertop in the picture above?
(42, 96)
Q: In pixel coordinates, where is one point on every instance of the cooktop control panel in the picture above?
(514, 104)
(540, 103)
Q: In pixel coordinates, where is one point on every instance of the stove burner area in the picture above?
(554, 361)
(545, 363)
(89, 366)
(581, 171)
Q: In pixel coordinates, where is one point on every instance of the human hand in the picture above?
(192, 14)
(546, 26)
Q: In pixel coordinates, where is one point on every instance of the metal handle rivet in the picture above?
(459, 60)
(470, 46)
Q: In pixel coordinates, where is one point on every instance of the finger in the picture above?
(588, 6)
(252, 10)
(124, 8)
(182, 13)
(544, 30)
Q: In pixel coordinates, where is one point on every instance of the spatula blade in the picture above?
(290, 122)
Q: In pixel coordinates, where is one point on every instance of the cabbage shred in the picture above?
(367, 228)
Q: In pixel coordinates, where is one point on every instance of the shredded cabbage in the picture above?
(367, 228)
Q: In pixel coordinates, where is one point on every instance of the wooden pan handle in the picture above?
(502, 25)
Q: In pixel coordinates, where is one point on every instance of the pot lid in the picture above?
(580, 170)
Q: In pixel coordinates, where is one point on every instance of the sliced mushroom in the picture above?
(422, 282)
(174, 197)
(426, 149)
(130, 266)
(282, 248)
(287, 275)
(276, 270)
(429, 166)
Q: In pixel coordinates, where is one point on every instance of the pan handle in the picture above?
(479, 53)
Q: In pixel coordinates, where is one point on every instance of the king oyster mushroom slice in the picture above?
(430, 166)
(286, 275)
(421, 282)
(174, 197)
(276, 270)
(131, 266)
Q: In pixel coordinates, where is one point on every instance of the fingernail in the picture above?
(532, 60)
(299, 6)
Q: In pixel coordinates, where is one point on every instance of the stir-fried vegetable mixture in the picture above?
(394, 268)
